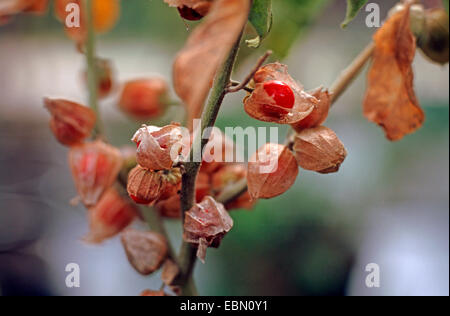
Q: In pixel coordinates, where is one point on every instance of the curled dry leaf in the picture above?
(390, 99)
(169, 273)
(145, 186)
(71, 123)
(95, 166)
(265, 106)
(146, 251)
(319, 149)
(158, 148)
(206, 224)
(205, 51)
(109, 217)
(272, 170)
(144, 98)
(320, 112)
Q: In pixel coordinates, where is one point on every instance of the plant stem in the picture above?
(351, 72)
(91, 68)
(187, 257)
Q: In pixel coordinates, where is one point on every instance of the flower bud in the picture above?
(95, 167)
(272, 170)
(435, 39)
(319, 149)
(71, 123)
(109, 217)
(320, 112)
(277, 97)
(158, 148)
(146, 187)
(206, 224)
(144, 98)
(146, 251)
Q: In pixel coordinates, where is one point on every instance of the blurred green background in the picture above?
(388, 205)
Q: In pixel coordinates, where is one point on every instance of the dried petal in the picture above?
(320, 112)
(261, 106)
(146, 251)
(272, 170)
(109, 217)
(390, 99)
(95, 166)
(158, 148)
(144, 98)
(206, 224)
(146, 187)
(169, 273)
(206, 50)
(71, 123)
(319, 149)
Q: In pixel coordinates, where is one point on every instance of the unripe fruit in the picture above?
(434, 41)
(71, 123)
(144, 98)
(109, 217)
(281, 93)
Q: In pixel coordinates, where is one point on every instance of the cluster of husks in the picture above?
(278, 98)
(95, 166)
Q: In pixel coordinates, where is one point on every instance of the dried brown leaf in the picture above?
(206, 50)
(390, 99)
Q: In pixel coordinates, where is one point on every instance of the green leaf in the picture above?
(353, 7)
(261, 19)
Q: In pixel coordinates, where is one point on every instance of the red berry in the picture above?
(189, 13)
(281, 93)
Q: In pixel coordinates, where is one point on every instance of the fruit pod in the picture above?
(319, 149)
(158, 148)
(434, 41)
(144, 99)
(206, 224)
(109, 217)
(272, 170)
(146, 251)
(277, 97)
(320, 112)
(71, 123)
(95, 166)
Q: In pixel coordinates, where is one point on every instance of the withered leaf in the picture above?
(272, 170)
(146, 251)
(390, 99)
(319, 149)
(206, 49)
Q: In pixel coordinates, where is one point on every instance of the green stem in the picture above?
(91, 67)
(187, 257)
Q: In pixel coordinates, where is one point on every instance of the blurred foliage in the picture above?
(261, 19)
(353, 7)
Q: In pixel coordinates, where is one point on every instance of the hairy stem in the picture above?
(91, 68)
(188, 251)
